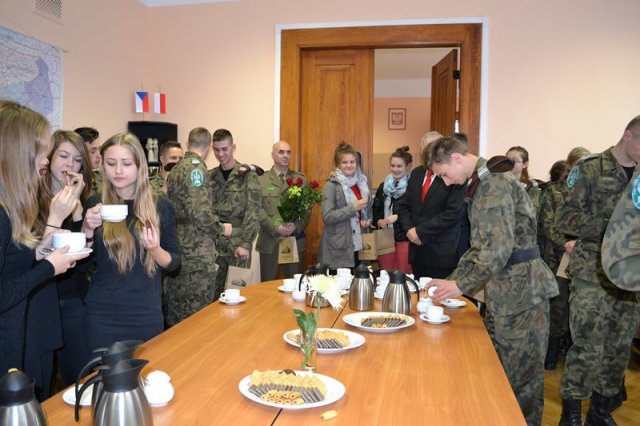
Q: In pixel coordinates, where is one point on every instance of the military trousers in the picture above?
(188, 291)
(269, 267)
(559, 309)
(521, 342)
(603, 321)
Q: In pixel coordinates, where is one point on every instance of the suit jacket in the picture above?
(437, 220)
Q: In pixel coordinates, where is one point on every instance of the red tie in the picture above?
(426, 184)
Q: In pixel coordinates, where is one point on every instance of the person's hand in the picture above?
(75, 181)
(227, 229)
(92, 220)
(365, 223)
(360, 204)
(149, 238)
(242, 253)
(62, 205)
(445, 289)
(286, 229)
(382, 223)
(62, 261)
(412, 235)
(569, 245)
(392, 218)
(44, 248)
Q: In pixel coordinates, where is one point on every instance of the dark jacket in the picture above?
(399, 232)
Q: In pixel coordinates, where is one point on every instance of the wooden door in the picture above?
(336, 105)
(444, 94)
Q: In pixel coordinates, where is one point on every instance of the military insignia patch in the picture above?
(197, 178)
(635, 192)
(573, 176)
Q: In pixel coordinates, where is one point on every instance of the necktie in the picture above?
(426, 184)
(281, 177)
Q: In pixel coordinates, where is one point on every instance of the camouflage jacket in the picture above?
(237, 201)
(272, 188)
(96, 182)
(157, 184)
(595, 186)
(551, 200)
(503, 221)
(621, 244)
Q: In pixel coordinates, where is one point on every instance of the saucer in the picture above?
(453, 303)
(282, 289)
(442, 320)
(83, 251)
(233, 302)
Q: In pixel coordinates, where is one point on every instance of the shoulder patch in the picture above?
(635, 192)
(197, 177)
(573, 176)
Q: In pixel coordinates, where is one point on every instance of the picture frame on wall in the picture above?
(397, 118)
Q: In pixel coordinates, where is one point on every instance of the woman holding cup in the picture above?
(24, 265)
(344, 210)
(124, 299)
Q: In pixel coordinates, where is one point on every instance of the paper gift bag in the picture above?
(288, 251)
(238, 277)
(368, 251)
(385, 241)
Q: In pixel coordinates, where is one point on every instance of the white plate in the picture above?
(335, 391)
(233, 302)
(282, 289)
(69, 396)
(442, 320)
(453, 303)
(83, 251)
(355, 340)
(354, 320)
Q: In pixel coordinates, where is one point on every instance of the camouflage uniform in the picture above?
(267, 245)
(621, 244)
(157, 184)
(551, 200)
(503, 226)
(602, 317)
(236, 201)
(96, 183)
(193, 286)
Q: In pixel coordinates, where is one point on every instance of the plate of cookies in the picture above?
(379, 322)
(293, 390)
(330, 340)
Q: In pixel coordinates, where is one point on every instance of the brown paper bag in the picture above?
(385, 241)
(288, 251)
(238, 277)
(368, 251)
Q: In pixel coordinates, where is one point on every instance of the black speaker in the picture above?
(160, 130)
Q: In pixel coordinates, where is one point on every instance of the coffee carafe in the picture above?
(106, 356)
(362, 289)
(122, 401)
(18, 403)
(318, 269)
(397, 297)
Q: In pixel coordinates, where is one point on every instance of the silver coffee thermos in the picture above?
(362, 288)
(18, 404)
(397, 297)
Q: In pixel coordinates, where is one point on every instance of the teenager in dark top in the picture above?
(24, 143)
(124, 299)
(56, 312)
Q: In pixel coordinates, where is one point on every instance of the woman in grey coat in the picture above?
(345, 207)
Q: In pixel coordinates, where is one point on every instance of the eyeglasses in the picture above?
(516, 160)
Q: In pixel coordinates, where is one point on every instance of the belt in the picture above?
(520, 256)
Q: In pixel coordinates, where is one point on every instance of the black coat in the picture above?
(399, 232)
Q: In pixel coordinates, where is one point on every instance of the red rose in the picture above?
(313, 184)
(299, 182)
(289, 181)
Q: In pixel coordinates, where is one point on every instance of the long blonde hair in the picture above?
(21, 141)
(117, 236)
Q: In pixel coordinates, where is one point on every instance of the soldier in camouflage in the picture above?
(171, 153)
(192, 287)
(602, 317)
(272, 228)
(236, 200)
(92, 138)
(505, 260)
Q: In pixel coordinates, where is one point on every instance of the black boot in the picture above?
(616, 401)
(566, 343)
(553, 352)
(570, 413)
(599, 414)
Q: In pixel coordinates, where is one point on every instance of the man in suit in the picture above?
(431, 212)
(272, 228)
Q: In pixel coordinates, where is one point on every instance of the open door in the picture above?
(444, 94)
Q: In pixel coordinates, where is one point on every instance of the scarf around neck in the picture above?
(347, 182)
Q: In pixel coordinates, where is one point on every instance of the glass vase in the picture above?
(309, 348)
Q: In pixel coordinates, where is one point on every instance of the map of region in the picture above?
(31, 74)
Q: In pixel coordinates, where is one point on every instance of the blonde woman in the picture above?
(24, 143)
(124, 299)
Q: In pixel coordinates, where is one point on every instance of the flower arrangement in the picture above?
(319, 287)
(298, 199)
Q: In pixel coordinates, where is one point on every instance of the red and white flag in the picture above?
(160, 103)
(142, 102)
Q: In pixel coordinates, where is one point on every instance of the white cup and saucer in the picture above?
(435, 315)
(299, 295)
(231, 296)
(423, 282)
(76, 241)
(158, 388)
(288, 285)
(114, 212)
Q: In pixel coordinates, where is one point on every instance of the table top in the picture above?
(438, 374)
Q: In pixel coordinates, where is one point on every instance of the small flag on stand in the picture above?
(142, 102)
(160, 103)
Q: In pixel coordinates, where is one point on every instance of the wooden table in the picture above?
(445, 374)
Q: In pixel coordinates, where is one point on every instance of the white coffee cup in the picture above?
(346, 272)
(435, 313)
(289, 284)
(344, 281)
(75, 240)
(230, 295)
(298, 295)
(432, 290)
(424, 281)
(114, 212)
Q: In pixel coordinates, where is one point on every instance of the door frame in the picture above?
(470, 35)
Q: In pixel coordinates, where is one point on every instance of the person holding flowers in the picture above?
(282, 189)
